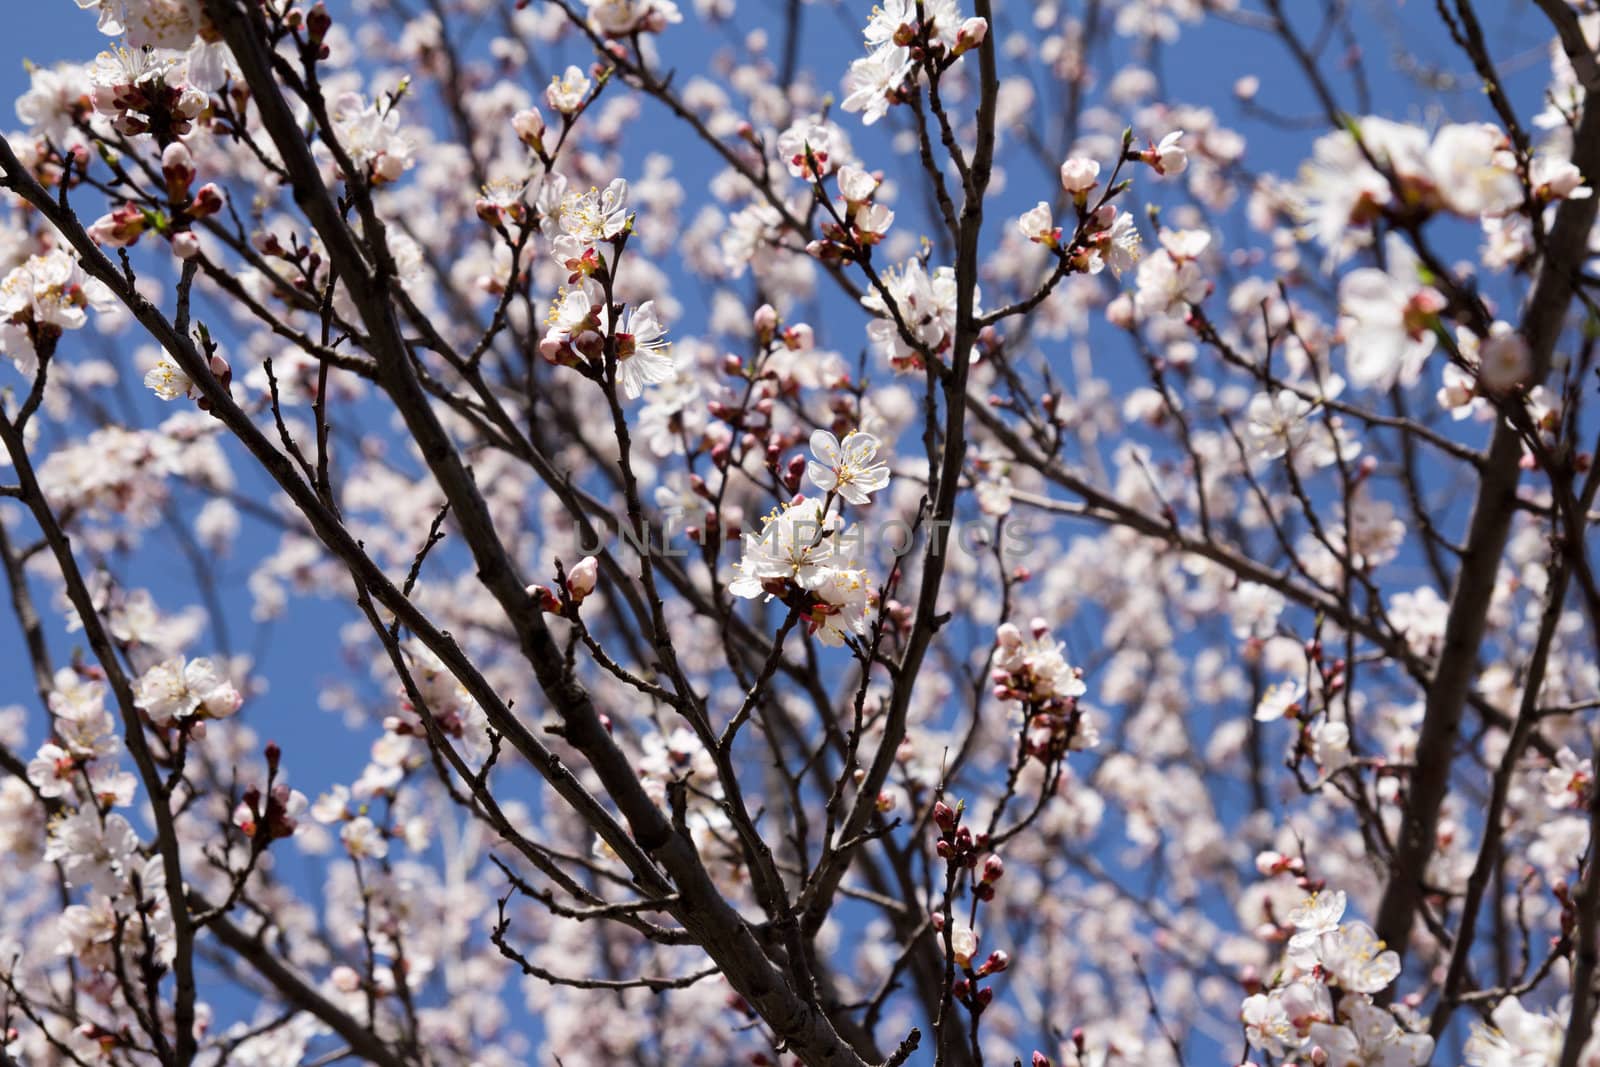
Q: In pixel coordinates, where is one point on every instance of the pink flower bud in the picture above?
(765, 321)
(582, 577)
(1079, 175)
(544, 599)
(208, 201)
(529, 126)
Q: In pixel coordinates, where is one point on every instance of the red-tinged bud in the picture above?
(207, 201)
(993, 868)
(720, 453)
(886, 803)
(794, 472)
(985, 995)
(732, 366)
(960, 989)
(186, 244)
(177, 169)
(544, 599)
(119, 229)
(943, 848)
(1041, 1060)
(273, 754)
(1078, 1040)
(945, 816)
(221, 370)
(983, 890)
(555, 350)
(318, 22)
(970, 35)
(589, 344)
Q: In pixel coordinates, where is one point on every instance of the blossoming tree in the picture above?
(925, 549)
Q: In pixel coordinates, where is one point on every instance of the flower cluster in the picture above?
(901, 35)
(1331, 963)
(1031, 673)
(927, 314)
(43, 298)
(585, 329)
(802, 555)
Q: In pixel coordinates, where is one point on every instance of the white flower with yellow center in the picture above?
(847, 468)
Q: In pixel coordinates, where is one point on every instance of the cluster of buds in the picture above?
(270, 816)
(52, 164)
(580, 582)
(272, 821)
(924, 40)
(503, 203)
(966, 988)
(1330, 671)
(772, 334)
(712, 525)
(126, 223)
(306, 261)
(757, 434)
(131, 88)
(316, 23)
(956, 845)
(861, 224)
